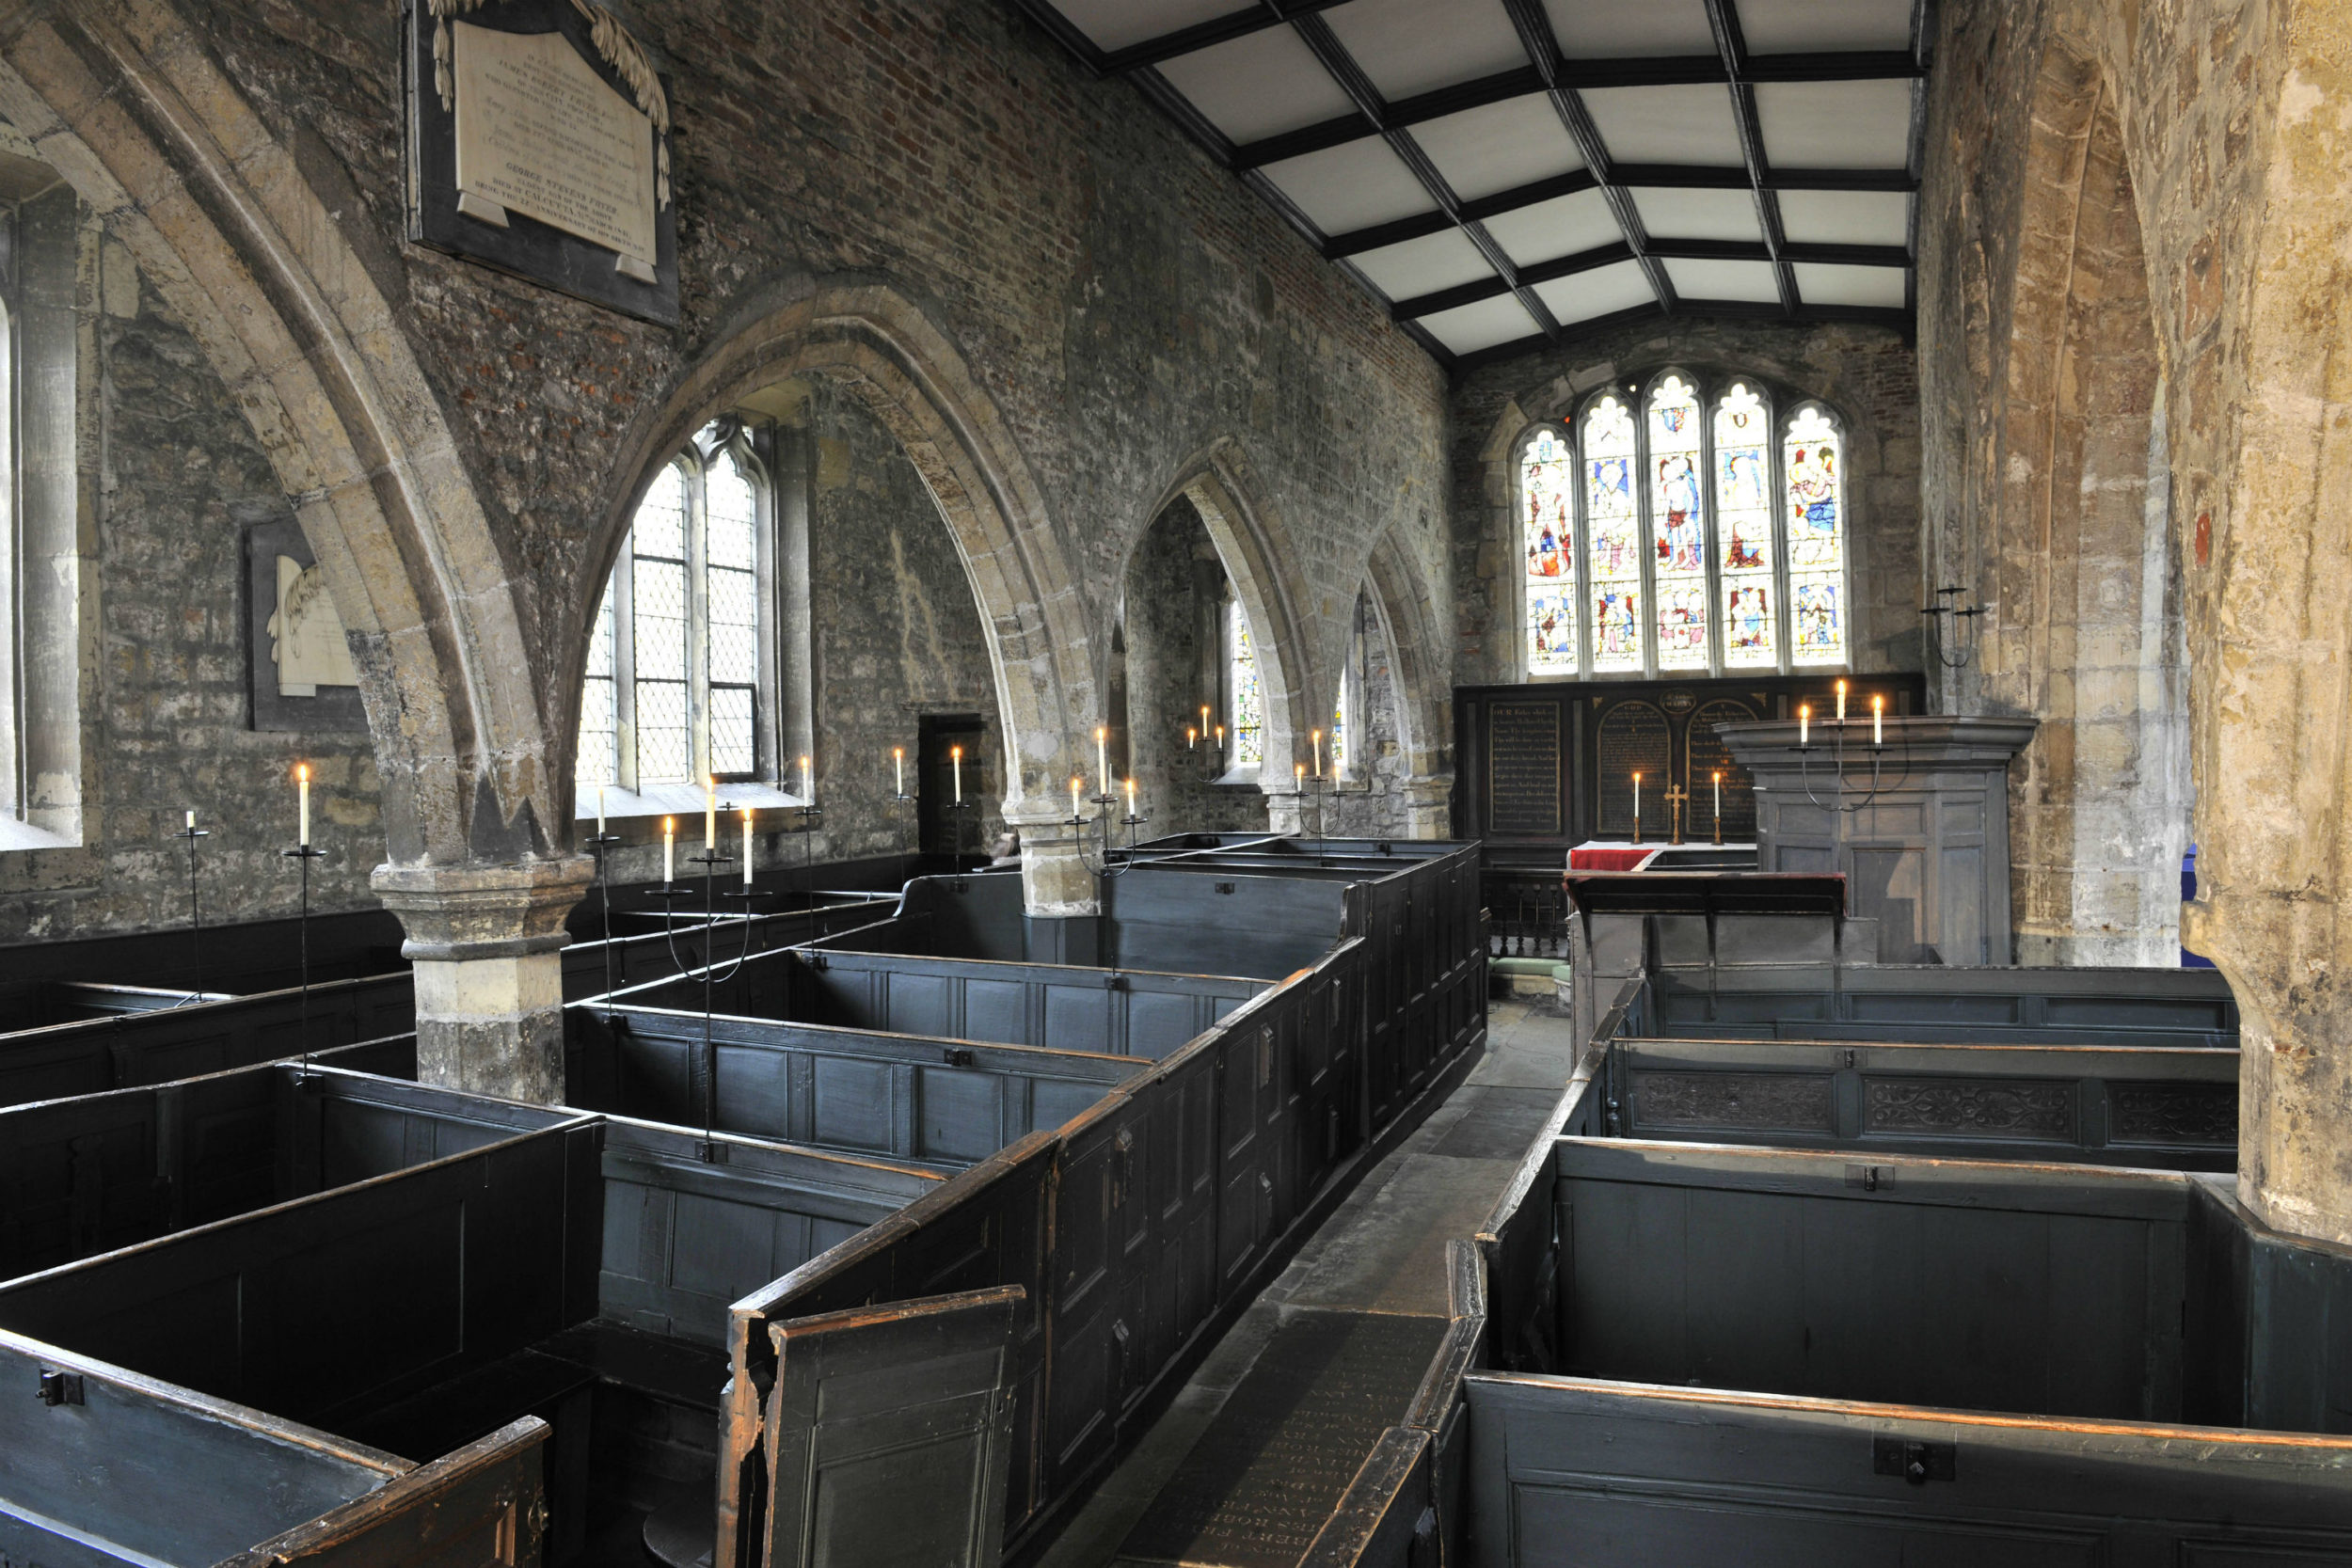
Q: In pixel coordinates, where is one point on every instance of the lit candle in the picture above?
(669, 848)
(1074, 796)
(808, 782)
(747, 847)
(1298, 774)
(1220, 737)
(302, 785)
(1719, 792)
(1204, 718)
(599, 810)
(898, 763)
(1841, 702)
(1102, 755)
(1131, 797)
(1637, 797)
(955, 756)
(1804, 722)
(1192, 739)
(710, 816)
(1878, 720)
(1317, 736)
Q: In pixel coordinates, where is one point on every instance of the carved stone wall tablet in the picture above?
(2173, 1113)
(1963, 1108)
(1775, 1102)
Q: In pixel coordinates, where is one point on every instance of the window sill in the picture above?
(23, 835)
(679, 799)
(1239, 778)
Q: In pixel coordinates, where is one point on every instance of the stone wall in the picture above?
(170, 477)
(1868, 374)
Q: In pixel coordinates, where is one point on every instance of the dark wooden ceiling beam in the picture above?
(1200, 35)
(1731, 46)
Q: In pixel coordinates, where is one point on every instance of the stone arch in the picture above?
(874, 341)
(122, 99)
(1224, 489)
(2081, 575)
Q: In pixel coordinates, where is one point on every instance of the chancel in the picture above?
(1037, 784)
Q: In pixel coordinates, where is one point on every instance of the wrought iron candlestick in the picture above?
(809, 816)
(1099, 865)
(195, 921)
(302, 854)
(962, 814)
(1967, 617)
(599, 844)
(1877, 750)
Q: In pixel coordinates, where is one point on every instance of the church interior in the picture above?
(1190, 783)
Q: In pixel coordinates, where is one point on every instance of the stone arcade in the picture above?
(1167, 782)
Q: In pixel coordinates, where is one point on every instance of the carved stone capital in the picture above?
(458, 913)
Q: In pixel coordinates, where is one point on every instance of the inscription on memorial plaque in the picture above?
(1703, 754)
(1523, 767)
(540, 133)
(1633, 738)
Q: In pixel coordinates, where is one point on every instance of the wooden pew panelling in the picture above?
(129, 1470)
(1608, 1476)
(938, 1101)
(686, 1235)
(130, 1050)
(483, 1505)
(591, 967)
(351, 1298)
(1234, 923)
(1933, 1004)
(2170, 1107)
(2057, 1289)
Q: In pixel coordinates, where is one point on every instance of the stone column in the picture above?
(1289, 812)
(1059, 901)
(1429, 806)
(488, 944)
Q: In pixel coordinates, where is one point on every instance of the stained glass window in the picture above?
(1249, 714)
(1743, 528)
(1614, 527)
(1678, 526)
(732, 567)
(1547, 499)
(665, 753)
(597, 719)
(1712, 538)
(1811, 453)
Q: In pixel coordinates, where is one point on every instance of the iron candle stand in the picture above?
(302, 854)
(809, 816)
(964, 814)
(600, 845)
(196, 923)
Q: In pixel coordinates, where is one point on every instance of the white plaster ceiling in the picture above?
(1489, 167)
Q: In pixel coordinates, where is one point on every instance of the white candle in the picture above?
(808, 782)
(1131, 797)
(1192, 739)
(898, 765)
(1220, 737)
(1637, 797)
(669, 848)
(1841, 702)
(710, 817)
(1804, 722)
(1204, 718)
(1298, 776)
(1878, 720)
(1719, 793)
(302, 784)
(191, 821)
(1102, 755)
(599, 810)
(1074, 796)
(1317, 736)
(747, 847)
(955, 756)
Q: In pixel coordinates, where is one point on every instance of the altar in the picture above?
(1624, 855)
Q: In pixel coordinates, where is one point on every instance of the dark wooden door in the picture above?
(889, 1434)
(939, 822)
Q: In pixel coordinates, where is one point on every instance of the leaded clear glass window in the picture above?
(673, 687)
(1249, 714)
(1700, 533)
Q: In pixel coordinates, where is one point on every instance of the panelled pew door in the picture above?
(889, 1434)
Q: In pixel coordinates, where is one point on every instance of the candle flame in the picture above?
(1877, 704)
(897, 754)
(747, 817)
(302, 771)
(955, 754)
(669, 826)
(1719, 775)
(1805, 710)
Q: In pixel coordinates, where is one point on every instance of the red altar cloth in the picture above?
(1611, 857)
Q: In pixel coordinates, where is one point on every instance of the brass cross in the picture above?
(1675, 796)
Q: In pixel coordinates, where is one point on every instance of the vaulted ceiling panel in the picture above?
(1410, 47)
(1507, 172)
(1835, 124)
(1606, 29)
(1602, 291)
(1354, 186)
(1445, 260)
(1666, 126)
(1501, 146)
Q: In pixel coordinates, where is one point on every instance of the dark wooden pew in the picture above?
(643, 952)
(1110, 1011)
(134, 1049)
(935, 1101)
(2173, 1107)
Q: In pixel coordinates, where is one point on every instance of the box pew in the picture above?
(2173, 1107)
(134, 1049)
(855, 1091)
(1614, 1475)
(72, 1001)
(1937, 1004)
(99, 1172)
(637, 956)
(1158, 1214)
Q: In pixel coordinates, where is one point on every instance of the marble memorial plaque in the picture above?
(1633, 738)
(1523, 767)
